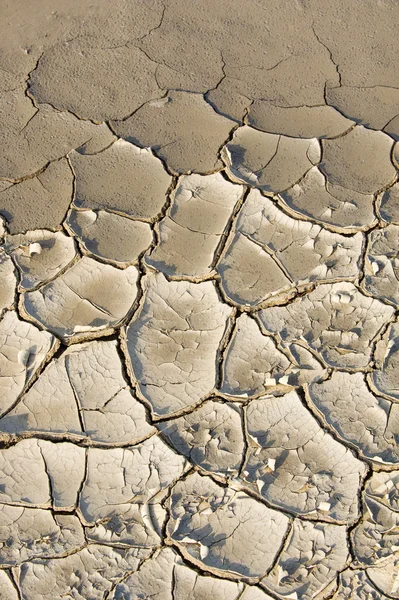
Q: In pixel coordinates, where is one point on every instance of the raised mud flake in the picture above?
(110, 237)
(62, 75)
(295, 465)
(335, 320)
(8, 282)
(191, 232)
(40, 255)
(389, 206)
(297, 122)
(222, 530)
(282, 253)
(368, 422)
(355, 585)
(123, 178)
(253, 363)
(385, 378)
(312, 556)
(183, 130)
(343, 209)
(269, 162)
(359, 160)
(210, 437)
(88, 298)
(84, 575)
(121, 495)
(40, 202)
(83, 393)
(23, 350)
(33, 137)
(173, 340)
(382, 264)
(375, 538)
(166, 577)
(29, 532)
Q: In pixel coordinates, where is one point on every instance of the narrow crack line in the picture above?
(316, 414)
(245, 454)
(156, 26)
(14, 583)
(76, 396)
(50, 483)
(272, 255)
(227, 232)
(330, 54)
(128, 573)
(223, 346)
(282, 548)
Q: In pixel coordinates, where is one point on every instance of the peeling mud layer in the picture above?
(199, 295)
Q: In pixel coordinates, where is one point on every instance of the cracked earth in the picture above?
(199, 300)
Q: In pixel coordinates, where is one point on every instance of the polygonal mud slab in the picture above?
(8, 282)
(34, 137)
(389, 205)
(122, 178)
(375, 538)
(182, 129)
(173, 340)
(85, 575)
(315, 198)
(166, 577)
(272, 163)
(356, 585)
(313, 554)
(360, 160)
(366, 422)
(385, 378)
(191, 232)
(26, 532)
(211, 437)
(335, 320)
(269, 254)
(295, 465)
(89, 60)
(23, 350)
(40, 255)
(120, 500)
(224, 531)
(297, 121)
(40, 202)
(110, 237)
(88, 299)
(253, 364)
(82, 394)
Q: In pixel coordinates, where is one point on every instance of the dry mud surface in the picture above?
(199, 292)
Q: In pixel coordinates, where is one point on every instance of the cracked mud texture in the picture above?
(199, 296)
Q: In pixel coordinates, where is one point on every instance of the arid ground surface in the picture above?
(199, 291)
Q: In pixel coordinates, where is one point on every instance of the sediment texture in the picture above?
(199, 264)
